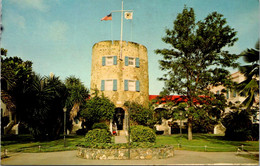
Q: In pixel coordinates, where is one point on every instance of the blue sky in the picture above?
(58, 35)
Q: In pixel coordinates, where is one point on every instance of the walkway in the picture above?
(181, 158)
(120, 139)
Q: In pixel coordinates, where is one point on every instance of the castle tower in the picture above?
(120, 80)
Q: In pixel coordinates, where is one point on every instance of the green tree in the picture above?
(141, 115)
(42, 110)
(250, 86)
(238, 124)
(16, 76)
(97, 109)
(77, 95)
(196, 58)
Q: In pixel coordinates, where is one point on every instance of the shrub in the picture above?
(122, 145)
(98, 136)
(238, 126)
(100, 126)
(141, 133)
(81, 131)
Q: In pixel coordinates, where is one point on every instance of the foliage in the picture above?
(141, 115)
(77, 95)
(39, 100)
(97, 109)
(81, 131)
(100, 126)
(122, 145)
(196, 58)
(141, 133)
(250, 86)
(238, 125)
(43, 107)
(98, 136)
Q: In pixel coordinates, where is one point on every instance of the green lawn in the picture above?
(213, 143)
(216, 143)
(25, 143)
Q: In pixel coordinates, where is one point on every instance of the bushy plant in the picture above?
(141, 133)
(100, 126)
(238, 125)
(140, 114)
(98, 136)
(122, 145)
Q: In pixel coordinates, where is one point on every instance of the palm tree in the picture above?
(250, 86)
(77, 95)
(43, 106)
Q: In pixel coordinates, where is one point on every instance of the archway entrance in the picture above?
(119, 118)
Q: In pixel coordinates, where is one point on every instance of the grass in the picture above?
(214, 143)
(250, 156)
(25, 143)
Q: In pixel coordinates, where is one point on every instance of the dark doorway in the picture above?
(119, 118)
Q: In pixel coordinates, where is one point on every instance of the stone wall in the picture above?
(122, 154)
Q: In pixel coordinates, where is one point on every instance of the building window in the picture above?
(109, 60)
(108, 85)
(132, 85)
(131, 61)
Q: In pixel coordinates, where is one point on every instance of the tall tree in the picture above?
(43, 106)
(77, 95)
(196, 58)
(96, 109)
(250, 86)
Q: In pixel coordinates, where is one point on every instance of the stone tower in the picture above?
(122, 78)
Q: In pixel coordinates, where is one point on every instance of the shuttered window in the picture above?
(126, 85)
(126, 60)
(137, 86)
(137, 62)
(103, 61)
(102, 85)
(132, 85)
(132, 61)
(109, 60)
(114, 85)
(115, 60)
(109, 85)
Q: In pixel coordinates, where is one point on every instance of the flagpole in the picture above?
(121, 36)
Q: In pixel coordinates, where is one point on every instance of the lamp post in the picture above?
(64, 133)
(181, 123)
(129, 109)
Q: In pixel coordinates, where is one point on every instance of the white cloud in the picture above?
(11, 18)
(57, 30)
(33, 4)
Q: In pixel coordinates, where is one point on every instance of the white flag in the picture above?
(129, 15)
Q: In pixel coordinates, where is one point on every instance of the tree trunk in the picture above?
(189, 128)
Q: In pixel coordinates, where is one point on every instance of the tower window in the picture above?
(131, 61)
(109, 60)
(132, 85)
(108, 85)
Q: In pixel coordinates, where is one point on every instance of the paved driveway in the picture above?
(181, 158)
